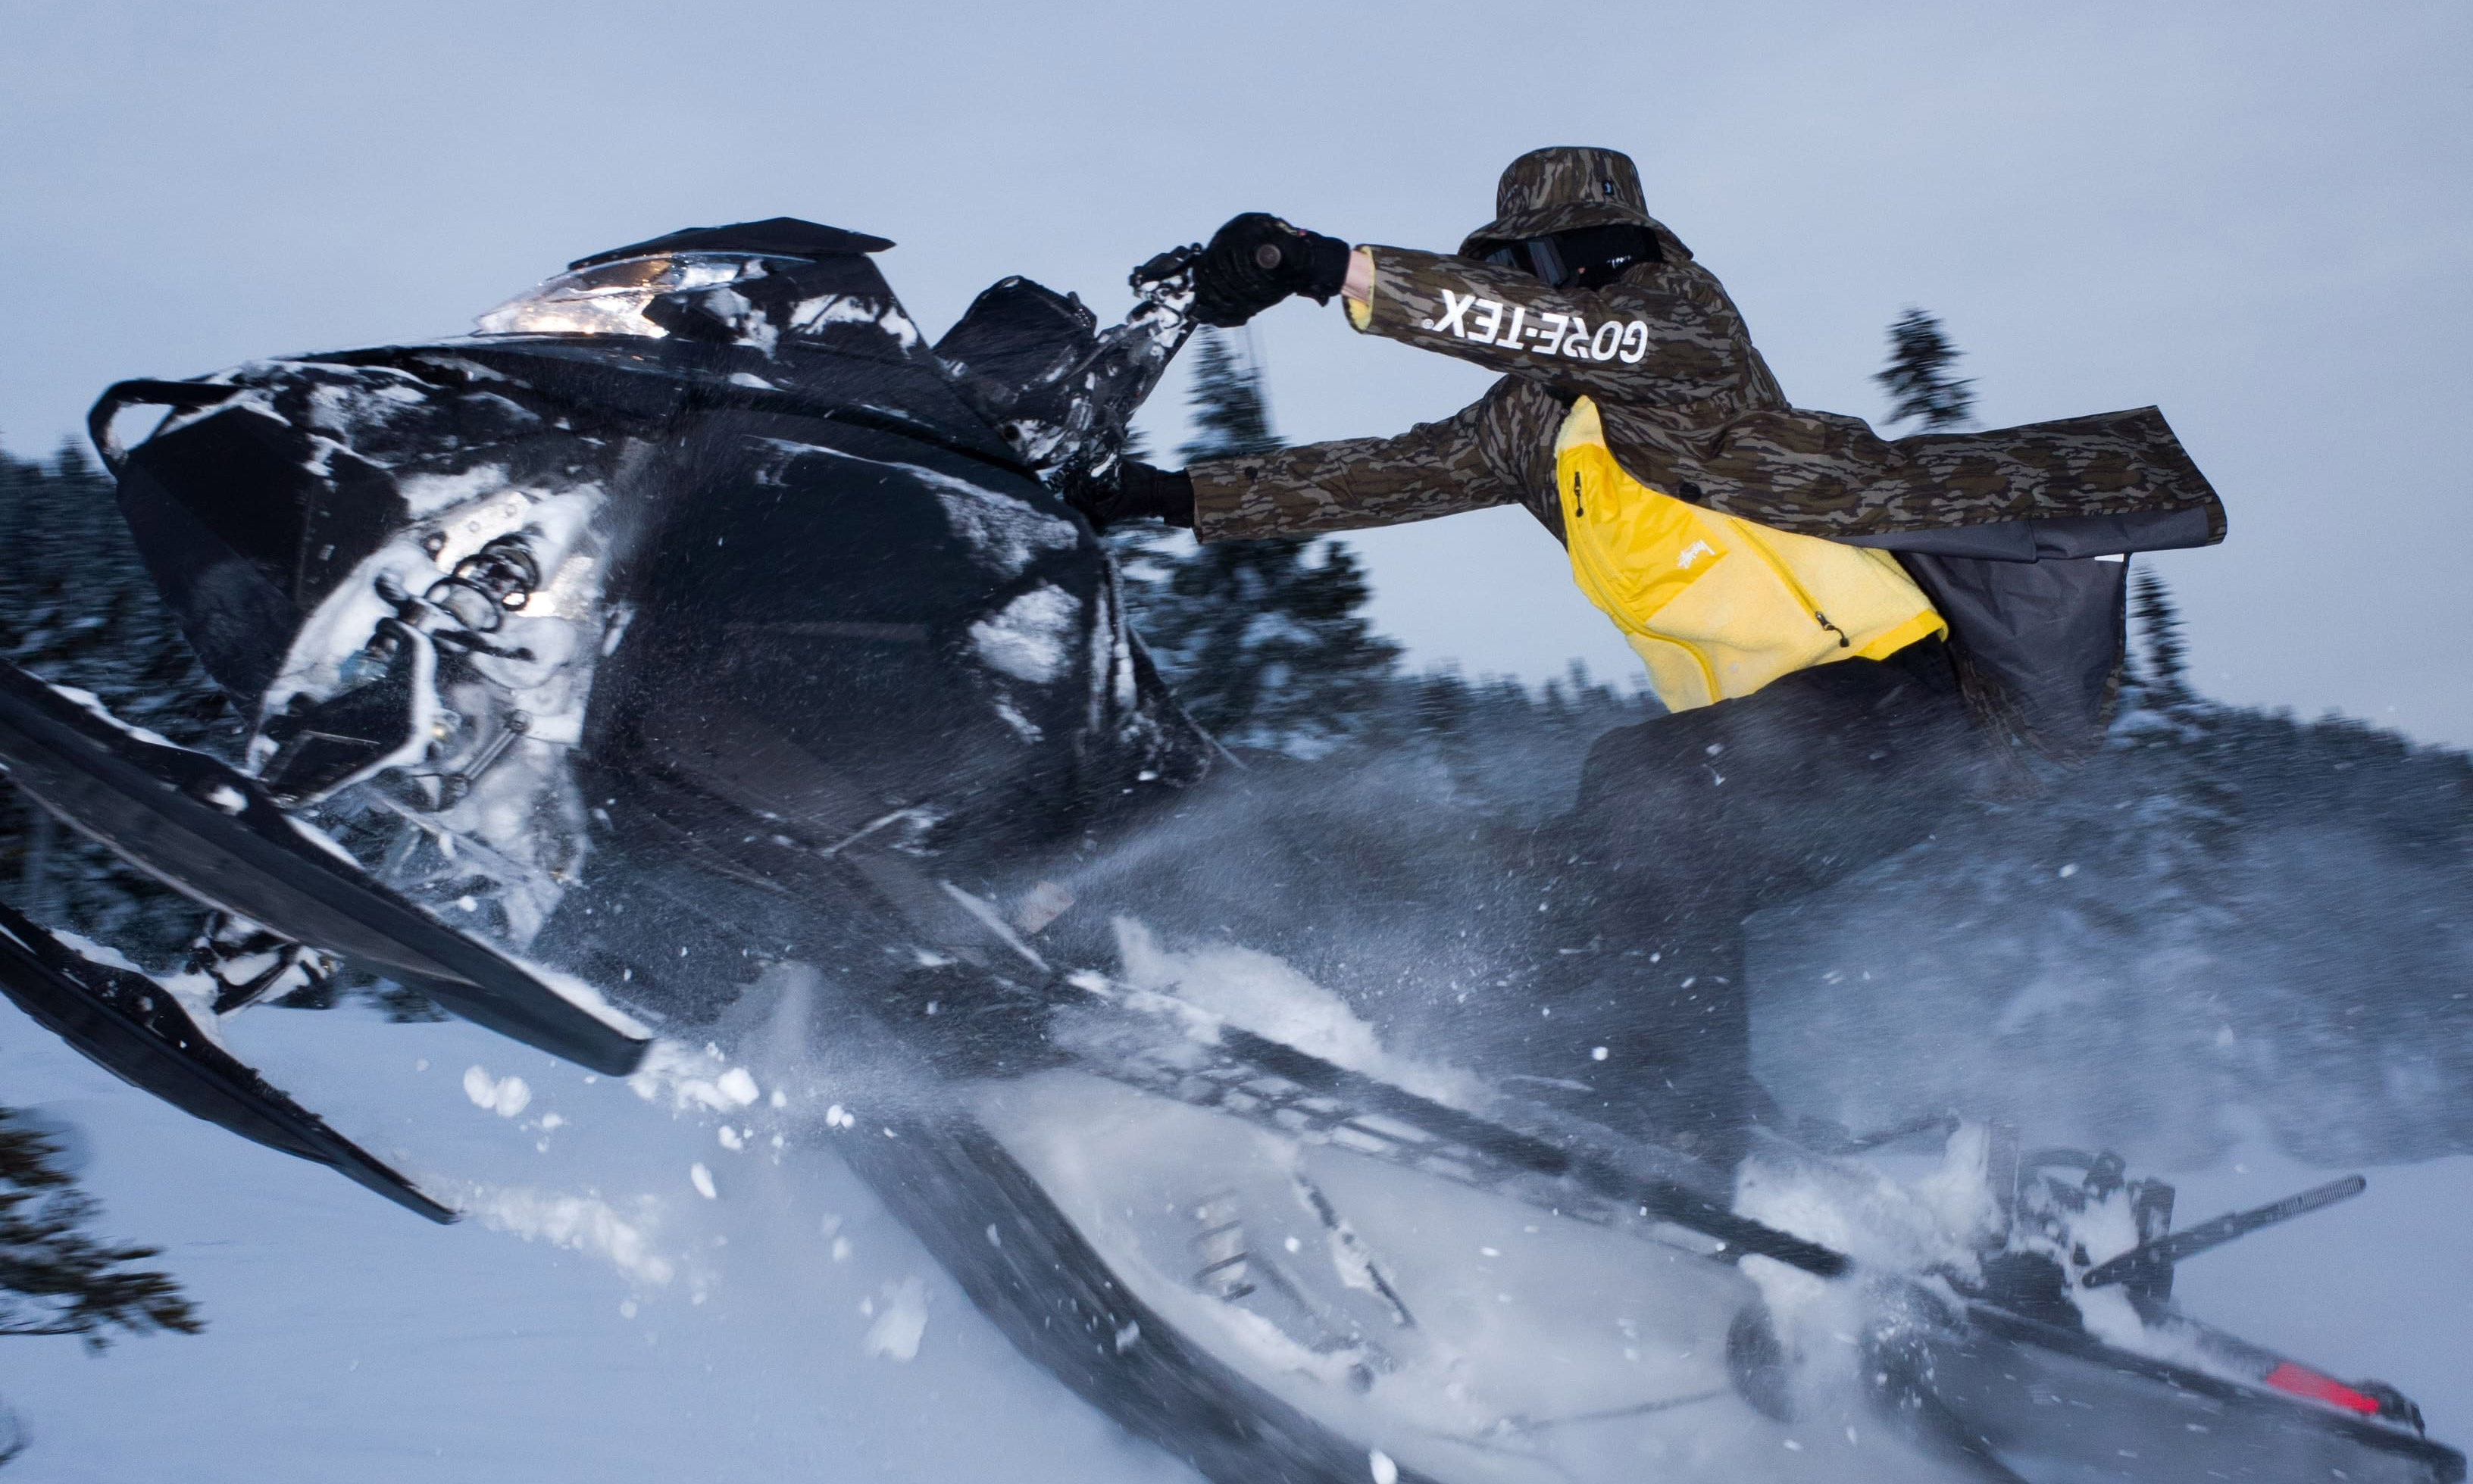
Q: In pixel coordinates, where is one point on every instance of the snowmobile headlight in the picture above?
(609, 299)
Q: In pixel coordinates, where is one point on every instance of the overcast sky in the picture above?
(2258, 216)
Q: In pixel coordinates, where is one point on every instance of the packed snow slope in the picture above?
(640, 1292)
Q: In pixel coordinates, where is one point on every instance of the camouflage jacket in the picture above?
(1691, 408)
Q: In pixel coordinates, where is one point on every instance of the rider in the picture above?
(1852, 632)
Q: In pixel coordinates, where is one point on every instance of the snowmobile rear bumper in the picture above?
(2030, 1391)
(212, 832)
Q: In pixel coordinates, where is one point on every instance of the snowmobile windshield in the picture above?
(609, 299)
(1586, 257)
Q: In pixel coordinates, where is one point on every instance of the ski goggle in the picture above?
(1586, 257)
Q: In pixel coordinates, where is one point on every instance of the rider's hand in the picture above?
(1256, 262)
(1132, 491)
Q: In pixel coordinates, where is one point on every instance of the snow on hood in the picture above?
(1028, 637)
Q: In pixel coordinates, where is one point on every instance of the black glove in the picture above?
(1132, 491)
(1256, 262)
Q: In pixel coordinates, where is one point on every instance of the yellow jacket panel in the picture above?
(1716, 606)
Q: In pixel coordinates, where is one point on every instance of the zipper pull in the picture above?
(1843, 642)
(1577, 509)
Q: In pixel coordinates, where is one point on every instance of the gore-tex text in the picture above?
(1483, 322)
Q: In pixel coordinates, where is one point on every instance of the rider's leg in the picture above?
(1688, 824)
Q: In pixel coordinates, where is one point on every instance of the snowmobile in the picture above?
(696, 627)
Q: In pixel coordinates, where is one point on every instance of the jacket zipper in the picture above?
(1801, 596)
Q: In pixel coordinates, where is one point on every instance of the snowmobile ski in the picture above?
(139, 1031)
(212, 832)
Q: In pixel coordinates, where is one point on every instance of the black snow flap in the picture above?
(212, 832)
(135, 1029)
(2044, 638)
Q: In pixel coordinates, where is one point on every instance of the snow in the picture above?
(585, 997)
(506, 1097)
(554, 1334)
(1575, 1354)
(812, 314)
(1262, 994)
(689, 1078)
(1026, 637)
(1023, 726)
(426, 496)
(597, 1314)
(901, 1322)
(578, 1223)
(93, 703)
(1007, 532)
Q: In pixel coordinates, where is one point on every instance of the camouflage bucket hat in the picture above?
(1557, 189)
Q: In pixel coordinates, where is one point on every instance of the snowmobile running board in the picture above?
(137, 1030)
(1204, 1062)
(212, 832)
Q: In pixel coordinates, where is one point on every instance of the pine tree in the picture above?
(2164, 673)
(76, 608)
(1917, 377)
(1231, 415)
(54, 1278)
(1264, 641)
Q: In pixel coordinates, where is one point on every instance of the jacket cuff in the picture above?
(1360, 311)
(1220, 486)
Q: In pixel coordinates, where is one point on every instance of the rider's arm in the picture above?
(1485, 454)
(1666, 333)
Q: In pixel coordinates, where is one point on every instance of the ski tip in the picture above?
(414, 1198)
(375, 1176)
(139, 1030)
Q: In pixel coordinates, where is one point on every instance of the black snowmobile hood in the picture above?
(778, 236)
(270, 479)
(627, 384)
